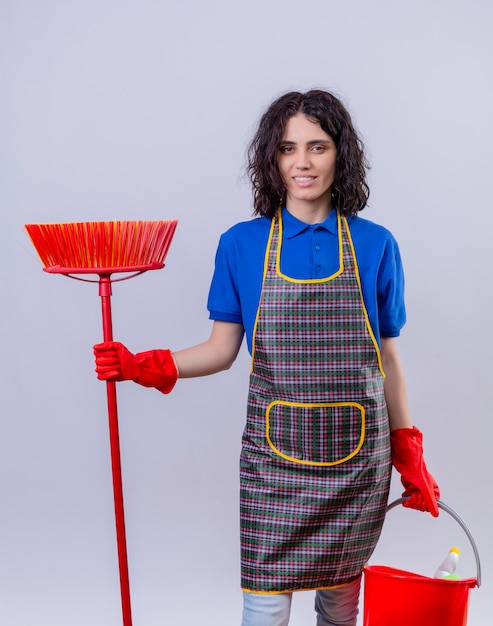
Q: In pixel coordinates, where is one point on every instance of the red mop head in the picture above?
(102, 247)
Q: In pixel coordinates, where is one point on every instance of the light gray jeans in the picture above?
(334, 607)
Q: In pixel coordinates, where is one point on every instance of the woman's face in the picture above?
(307, 160)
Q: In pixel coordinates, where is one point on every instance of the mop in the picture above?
(105, 248)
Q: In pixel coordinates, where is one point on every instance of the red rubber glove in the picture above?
(407, 458)
(155, 368)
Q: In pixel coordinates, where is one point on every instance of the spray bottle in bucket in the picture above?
(448, 566)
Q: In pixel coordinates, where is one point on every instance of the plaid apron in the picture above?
(315, 461)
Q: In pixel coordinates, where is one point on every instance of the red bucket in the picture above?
(394, 597)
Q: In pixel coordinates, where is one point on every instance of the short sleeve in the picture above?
(224, 302)
(390, 291)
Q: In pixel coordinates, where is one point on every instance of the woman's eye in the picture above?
(286, 149)
(318, 148)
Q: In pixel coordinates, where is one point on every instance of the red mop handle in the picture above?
(105, 293)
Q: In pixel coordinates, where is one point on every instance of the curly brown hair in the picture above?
(350, 190)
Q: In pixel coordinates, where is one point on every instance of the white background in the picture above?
(142, 110)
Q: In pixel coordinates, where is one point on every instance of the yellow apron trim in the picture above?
(365, 312)
(271, 593)
(310, 281)
(315, 405)
(318, 280)
(266, 265)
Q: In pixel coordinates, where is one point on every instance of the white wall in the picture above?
(142, 110)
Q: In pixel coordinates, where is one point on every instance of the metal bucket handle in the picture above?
(460, 521)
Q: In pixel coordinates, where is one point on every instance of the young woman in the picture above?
(318, 291)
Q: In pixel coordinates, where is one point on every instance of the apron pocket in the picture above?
(315, 434)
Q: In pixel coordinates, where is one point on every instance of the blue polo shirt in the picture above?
(308, 251)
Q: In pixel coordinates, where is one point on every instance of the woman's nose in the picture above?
(303, 161)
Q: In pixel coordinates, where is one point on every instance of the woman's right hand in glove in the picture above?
(154, 368)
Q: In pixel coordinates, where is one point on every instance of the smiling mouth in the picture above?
(304, 179)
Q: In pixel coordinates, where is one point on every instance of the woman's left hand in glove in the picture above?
(407, 457)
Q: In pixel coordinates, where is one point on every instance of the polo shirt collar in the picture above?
(292, 226)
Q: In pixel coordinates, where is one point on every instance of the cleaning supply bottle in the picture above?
(447, 568)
